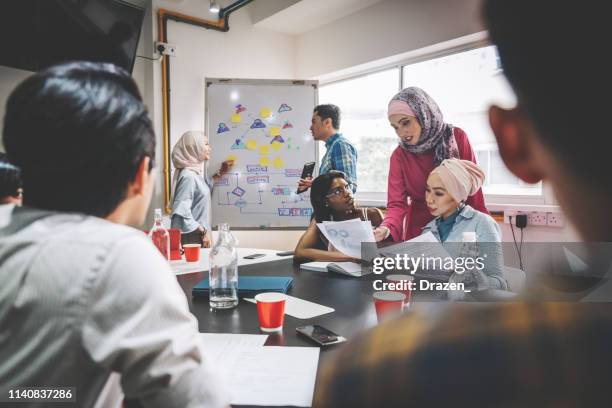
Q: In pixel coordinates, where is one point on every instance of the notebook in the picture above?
(250, 285)
(346, 268)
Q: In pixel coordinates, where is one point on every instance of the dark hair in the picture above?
(549, 52)
(329, 111)
(78, 131)
(10, 180)
(319, 189)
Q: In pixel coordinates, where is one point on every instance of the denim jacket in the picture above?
(488, 236)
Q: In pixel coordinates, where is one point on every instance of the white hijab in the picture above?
(187, 154)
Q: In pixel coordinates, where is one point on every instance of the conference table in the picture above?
(350, 297)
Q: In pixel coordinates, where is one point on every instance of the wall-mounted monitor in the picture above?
(40, 33)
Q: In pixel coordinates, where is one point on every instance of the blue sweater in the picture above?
(488, 236)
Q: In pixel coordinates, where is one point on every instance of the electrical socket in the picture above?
(555, 219)
(165, 48)
(508, 214)
(536, 218)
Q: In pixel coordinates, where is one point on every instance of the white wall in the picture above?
(243, 52)
(9, 78)
(385, 29)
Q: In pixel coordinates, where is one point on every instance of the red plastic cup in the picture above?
(192, 252)
(402, 281)
(271, 311)
(388, 304)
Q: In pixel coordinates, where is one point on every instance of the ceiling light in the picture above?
(214, 7)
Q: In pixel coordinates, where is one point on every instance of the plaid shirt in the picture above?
(502, 355)
(341, 155)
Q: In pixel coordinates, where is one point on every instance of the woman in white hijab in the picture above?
(448, 187)
(191, 188)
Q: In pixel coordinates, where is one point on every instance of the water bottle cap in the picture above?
(469, 236)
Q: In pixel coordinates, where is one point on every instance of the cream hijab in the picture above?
(462, 178)
(188, 153)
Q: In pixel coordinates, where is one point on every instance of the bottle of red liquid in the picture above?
(160, 236)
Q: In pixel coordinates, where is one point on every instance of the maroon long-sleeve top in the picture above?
(407, 212)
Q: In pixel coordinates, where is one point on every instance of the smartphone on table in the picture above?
(307, 171)
(254, 256)
(320, 335)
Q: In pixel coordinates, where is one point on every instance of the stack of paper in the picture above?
(346, 268)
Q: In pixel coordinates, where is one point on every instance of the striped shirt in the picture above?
(341, 155)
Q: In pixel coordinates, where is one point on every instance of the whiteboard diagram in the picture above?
(263, 126)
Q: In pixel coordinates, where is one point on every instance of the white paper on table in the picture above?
(235, 340)
(302, 309)
(217, 344)
(269, 375)
(347, 236)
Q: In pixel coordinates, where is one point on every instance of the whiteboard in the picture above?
(264, 126)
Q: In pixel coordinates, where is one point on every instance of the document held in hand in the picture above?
(347, 236)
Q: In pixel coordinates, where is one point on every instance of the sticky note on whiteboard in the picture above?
(251, 144)
(265, 112)
(277, 146)
(264, 161)
(263, 149)
(233, 158)
(275, 131)
(278, 163)
(236, 118)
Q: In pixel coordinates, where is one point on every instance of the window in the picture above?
(363, 103)
(464, 85)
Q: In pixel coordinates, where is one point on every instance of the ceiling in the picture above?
(296, 17)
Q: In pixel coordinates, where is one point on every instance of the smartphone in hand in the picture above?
(307, 171)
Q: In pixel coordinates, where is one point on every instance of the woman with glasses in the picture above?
(425, 141)
(332, 200)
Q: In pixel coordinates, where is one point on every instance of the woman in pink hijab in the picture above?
(425, 141)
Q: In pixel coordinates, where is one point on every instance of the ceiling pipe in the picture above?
(163, 15)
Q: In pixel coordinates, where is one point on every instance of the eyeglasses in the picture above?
(338, 191)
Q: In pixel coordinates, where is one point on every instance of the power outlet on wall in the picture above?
(536, 218)
(555, 219)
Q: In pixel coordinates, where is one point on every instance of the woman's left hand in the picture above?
(226, 166)
(206, 241)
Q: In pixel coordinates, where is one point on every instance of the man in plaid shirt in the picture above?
(340, 154)
(519, 354)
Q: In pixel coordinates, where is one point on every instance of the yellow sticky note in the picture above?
(251, 144)
(274, 131)
(265, 112)
(263, 149)
(278, 163)
(232, 158)
(236, 118)
(277, 146)
(264, 161)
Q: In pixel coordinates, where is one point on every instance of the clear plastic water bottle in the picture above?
(160, 236)
(223, 278)
(468, 249)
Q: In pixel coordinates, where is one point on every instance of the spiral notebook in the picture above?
(250, 285)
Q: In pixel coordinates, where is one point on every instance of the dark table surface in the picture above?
(350, 297)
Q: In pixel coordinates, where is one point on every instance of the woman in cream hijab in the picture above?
(448, 187)
(191, 188)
